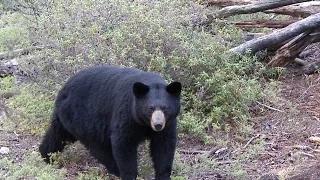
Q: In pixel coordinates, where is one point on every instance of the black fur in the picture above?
(108, 109)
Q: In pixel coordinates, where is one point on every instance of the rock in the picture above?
(314, 139)
(8, 95)
(3, 172)
(4, 150)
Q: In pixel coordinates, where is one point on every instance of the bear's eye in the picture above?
(151, 109)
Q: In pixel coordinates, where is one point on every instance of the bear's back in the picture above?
(103, 87)
(110, 77)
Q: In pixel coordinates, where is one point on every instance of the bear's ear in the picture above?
(140, 89)
(174, 88)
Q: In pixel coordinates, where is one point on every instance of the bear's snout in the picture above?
(158, 120)
(158, 127)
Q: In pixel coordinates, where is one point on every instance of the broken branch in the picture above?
(255, 7)
(310, 68)
(303, 9)
(264, 23)
(269, 107)
(18, 52)
(291, 50)
(278, 36)
(250, 140)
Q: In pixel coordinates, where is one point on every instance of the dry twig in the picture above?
(192, 151)
(247, 144)
(307, 154)
(250, 140)
(269, 107)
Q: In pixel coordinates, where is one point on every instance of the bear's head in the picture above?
(156, 104)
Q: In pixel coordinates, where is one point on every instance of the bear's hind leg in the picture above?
(55, 139)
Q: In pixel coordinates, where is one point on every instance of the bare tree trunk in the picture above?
(264, 23)
(303, 9)
(18, 52)
(256, 7)
(298, 10)
(310, 68)
(291, 50)
(278, 36)
(224, 3)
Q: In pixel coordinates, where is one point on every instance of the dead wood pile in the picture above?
(290, 38)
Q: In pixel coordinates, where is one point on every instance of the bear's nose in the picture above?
(158, 127)
(158, 120)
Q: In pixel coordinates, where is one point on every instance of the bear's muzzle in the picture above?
(158, 120)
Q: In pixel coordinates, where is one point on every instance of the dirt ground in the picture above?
(285, 127)
(286, 130)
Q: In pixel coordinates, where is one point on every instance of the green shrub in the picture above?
(92, 175)
(32, 109)
(274, 73)
(32, 167)
(7, 84)
(13, 32)
(150, 35)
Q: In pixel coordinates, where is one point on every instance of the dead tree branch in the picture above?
(256, 7)
(291, 50)
(300, 62)
(278, 36)
(224, 3)
(250, 140)
(310, 68)
(303, 9)
(298, 10)
(264, 23)
(18, 52)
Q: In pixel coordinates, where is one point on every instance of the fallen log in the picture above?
(310, 68)
(18, 52)
(264, 23)
(300, 62)
(298, 10)
(256, 7)
(291, 50)
(303, 9)
(279, 36)
(224, 3)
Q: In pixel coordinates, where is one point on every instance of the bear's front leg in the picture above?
(163, 145)
(125, 155)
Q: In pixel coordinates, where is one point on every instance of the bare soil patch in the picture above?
(287, 133)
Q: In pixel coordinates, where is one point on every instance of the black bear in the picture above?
(111, 110)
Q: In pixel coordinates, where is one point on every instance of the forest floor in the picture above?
(285, 128)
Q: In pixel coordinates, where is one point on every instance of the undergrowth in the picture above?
(218, 88)
(30, 108)
(30, 168)
(153, 36)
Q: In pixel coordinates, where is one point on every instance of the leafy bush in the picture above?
(7, 84)
(31, 107)
(13, 32)
(32, 167)
(153, 36)
(32, 110)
